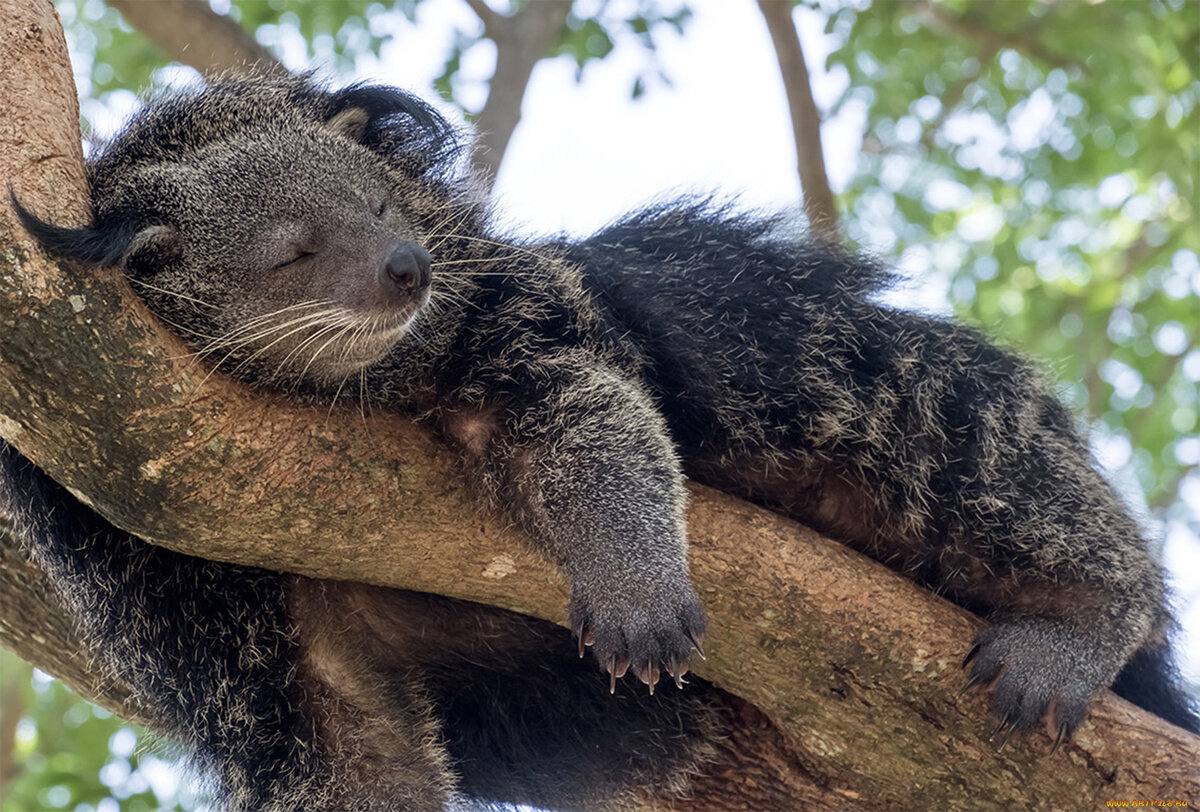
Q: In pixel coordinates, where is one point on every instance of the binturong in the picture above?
(331, 243)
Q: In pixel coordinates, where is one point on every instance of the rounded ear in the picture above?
(151, 249)
(397, 126)
(351, 122)
(376, 106)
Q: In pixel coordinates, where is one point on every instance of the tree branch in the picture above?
(954, 94)
(189, 31)
(819, 205)
(940, 19)
(991, 42)
(522, 40)
(856, 669)
(489, 16)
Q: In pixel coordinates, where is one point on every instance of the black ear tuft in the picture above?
(397, 126)
(94, 245)
(383, 103)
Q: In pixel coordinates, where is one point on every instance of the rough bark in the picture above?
(189, 31)
(819, 204)
(522, 40)
(855, 668)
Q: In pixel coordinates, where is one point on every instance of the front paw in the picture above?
(644, 627)
(1038, 670)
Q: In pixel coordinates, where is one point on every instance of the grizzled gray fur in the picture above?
(330, 243)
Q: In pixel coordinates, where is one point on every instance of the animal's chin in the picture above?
(360, 350)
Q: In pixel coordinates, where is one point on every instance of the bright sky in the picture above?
(584, 153)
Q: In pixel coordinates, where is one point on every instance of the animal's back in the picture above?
(720, 303)
(913, 438)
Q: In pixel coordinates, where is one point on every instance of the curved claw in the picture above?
(617, 666)
(973, 682)
(1005, 730)
(1007, 734)
(677, 671)
(581, 631)
(1062, 732)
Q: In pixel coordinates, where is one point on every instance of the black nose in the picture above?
(407, 267)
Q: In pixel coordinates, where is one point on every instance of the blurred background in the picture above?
(1029, 165)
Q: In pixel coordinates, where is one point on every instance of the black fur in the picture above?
(213, 656)
(182, 639)
(579, 380)
(1151, 680)
(101, 244)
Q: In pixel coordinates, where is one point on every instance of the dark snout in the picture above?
(406, 271)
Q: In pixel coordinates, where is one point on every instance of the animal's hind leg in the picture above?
(1053, 642)
(373, 723)
(438, 693)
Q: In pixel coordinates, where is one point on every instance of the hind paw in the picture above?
(1038, 672)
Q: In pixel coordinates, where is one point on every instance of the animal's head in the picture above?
(278, 225)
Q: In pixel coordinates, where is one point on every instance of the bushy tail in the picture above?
(1151, 681)
(202, 643)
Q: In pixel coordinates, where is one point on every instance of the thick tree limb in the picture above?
(189, 31)
(819, 205)
(855, 667)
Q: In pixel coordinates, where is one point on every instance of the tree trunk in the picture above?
(819, 205)
(855, 668)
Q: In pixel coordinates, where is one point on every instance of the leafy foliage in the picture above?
(1043, 157)
(68, 753)
(337, 33)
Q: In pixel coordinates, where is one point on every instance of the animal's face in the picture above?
(294, 254)
(287, 250)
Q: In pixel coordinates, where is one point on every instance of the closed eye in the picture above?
(296, 258)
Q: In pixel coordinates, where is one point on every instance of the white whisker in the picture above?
(143, 283)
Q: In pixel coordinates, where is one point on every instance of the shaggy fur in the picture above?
(581, 380)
